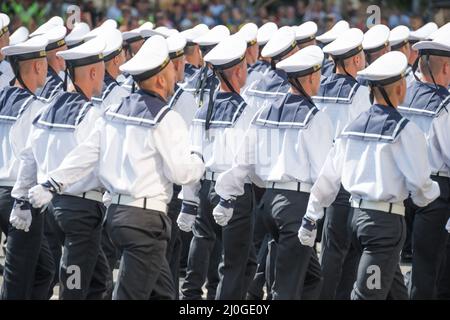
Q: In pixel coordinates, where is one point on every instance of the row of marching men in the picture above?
(96, 140)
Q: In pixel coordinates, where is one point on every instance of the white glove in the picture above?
(20, 217)
(107, 199)
(307, 233)
(448, 226)
(185, 221)
(223, 212)
(39, 196)
(187, 215)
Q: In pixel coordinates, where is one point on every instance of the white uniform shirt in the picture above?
(376, 159)
(6, 73)
(342, 99)
(287, 142)
(63, 125)
(140, 148)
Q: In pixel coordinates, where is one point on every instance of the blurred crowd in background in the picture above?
(183, 14)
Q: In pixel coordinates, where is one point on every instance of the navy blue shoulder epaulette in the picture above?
(425, 99)
(337, 88)
(291, 111)
(227, 108)
(142, 108)
(379, 123)
(64, 112)
(13, 102)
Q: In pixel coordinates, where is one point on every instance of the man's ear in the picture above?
(92, 73)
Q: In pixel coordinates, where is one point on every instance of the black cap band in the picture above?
(251, 43)
(190, 44)
(85, 61)
(385, 82)
(399, 45)
(302, 73)
(76, 44)
(305, 40)
(348, 54)
(372, 50)
(177, 54)
(150, 73)
(113, 54)
(230, 64)
(434, 52)
(286, 51)
(55, 45)
(134, 39)
(3, 31)
(30, 55)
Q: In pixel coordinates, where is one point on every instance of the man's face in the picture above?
(315, 79)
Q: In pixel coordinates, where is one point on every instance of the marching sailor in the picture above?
(399, 41)
(78, 211)
(342, 98)
(273, 84)
(216, 133)
(305, 34)
(376, 161)
(285, 148)
(29, 267)
(141, 187)
(56, 65)
(327, 37)
(114, 57)
(192, 53)
(426, 104)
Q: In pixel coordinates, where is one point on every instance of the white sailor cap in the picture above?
(32, 48)
(445, 29)
(146, 30)
(113, 42)
(4, 23)
(346, 45)
(163, 31)
(249, 31)
(134, 35)
(99, 31)
(332, 34)
(55, 37)
(376, 38)
(387, 69)
(109, 23)
(228, 53)
(280, 44)
(440, 46)
(423, 32)
(212, 38)
(76, 36)
(55, 21)
(398, 37)
(194, 33)
(176, 44)
(305, 32)
(306, 61)
(265, 33)
(19, 36)
(89, 52)
(151, 59)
